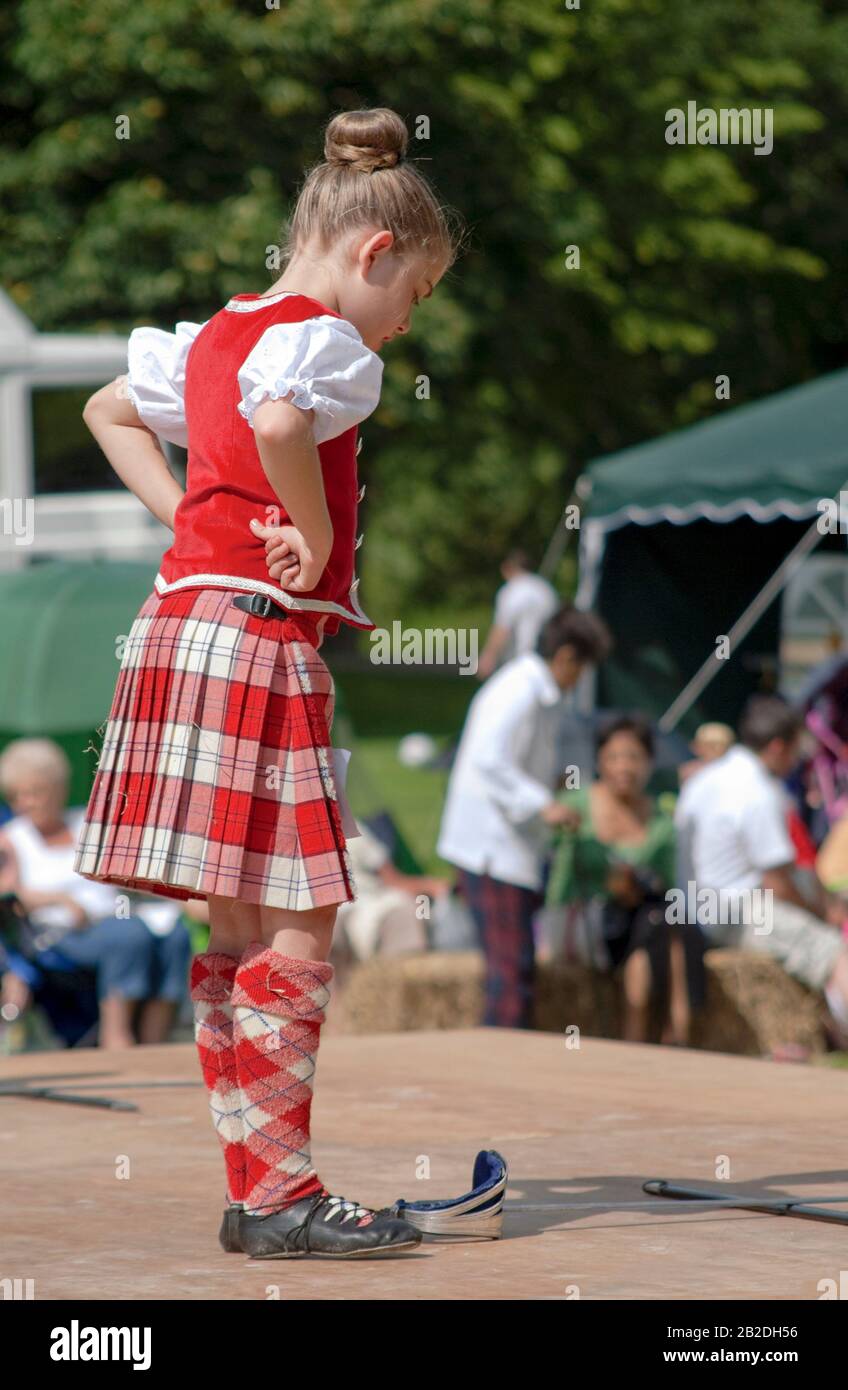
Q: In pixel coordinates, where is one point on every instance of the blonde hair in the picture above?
(366, 180)
(33, 755)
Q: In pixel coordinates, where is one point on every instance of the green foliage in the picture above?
(547, 130)
(413, 796)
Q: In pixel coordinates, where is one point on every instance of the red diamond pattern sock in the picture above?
(211, 984)
(279, 1005)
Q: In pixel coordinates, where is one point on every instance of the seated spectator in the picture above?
(76, 923)
(711, 741)
(734, 842)
(612, 873)
(385, 918)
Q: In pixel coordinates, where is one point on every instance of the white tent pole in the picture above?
(558, 543)
(745, 622)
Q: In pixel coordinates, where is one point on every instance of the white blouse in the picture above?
(322, 361)
(156, 363)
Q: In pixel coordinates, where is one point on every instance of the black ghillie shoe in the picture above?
(327, 1226)
(229, 1232)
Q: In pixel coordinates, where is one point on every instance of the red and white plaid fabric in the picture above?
(279, 1005)
(211, 981)
(216, 769)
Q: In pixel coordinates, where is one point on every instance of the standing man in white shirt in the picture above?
(500, 802)
(733, 839)
(523, 603)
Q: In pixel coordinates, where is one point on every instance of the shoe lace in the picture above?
(336, 1205)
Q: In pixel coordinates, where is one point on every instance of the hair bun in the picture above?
(366, 140)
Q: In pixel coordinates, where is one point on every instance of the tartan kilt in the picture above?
(216, 772)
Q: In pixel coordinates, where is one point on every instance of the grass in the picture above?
(385, 702)
(375, 708)
(377, 781)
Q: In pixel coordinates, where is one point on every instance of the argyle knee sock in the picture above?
(279, 1005)
(211, 985)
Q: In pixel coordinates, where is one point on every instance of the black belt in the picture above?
(260, 605)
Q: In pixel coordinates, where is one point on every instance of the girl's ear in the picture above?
(374, 248)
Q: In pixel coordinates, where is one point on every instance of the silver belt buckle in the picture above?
(260, 605)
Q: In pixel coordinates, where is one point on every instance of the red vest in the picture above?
(226, 484)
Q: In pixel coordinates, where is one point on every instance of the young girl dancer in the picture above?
(216, 774)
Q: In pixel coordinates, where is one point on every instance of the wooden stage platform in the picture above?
(126, 1206)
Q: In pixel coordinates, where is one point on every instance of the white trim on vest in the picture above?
(259, 586)
(237, 307)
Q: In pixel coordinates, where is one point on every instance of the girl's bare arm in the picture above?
(133, 450)
(289, 455)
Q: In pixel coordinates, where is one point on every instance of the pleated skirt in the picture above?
(216, 771)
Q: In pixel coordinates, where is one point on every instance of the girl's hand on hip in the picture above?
(280, 557)
(290, 559)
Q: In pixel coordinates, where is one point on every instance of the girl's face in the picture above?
(381, 290)
(624, 765)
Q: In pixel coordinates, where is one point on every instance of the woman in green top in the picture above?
(612, 873)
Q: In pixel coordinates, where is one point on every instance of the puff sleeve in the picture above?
(324, 361)
(156, 363)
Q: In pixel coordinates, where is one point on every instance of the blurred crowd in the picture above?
(99, 963)
(569, 858)
(561, 854)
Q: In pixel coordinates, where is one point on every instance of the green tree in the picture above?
(547, 131)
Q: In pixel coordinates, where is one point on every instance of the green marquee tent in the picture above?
(679, 535)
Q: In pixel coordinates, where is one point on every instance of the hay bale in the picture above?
(752, 1004)
(570, 995)
(436, 989)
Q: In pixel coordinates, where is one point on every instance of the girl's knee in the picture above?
(316, 923)
(278, 918)
(233, 925)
